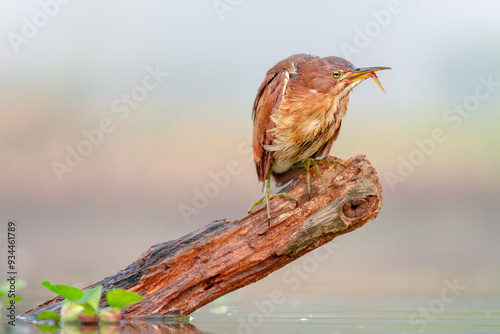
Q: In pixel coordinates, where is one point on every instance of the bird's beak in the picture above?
(363, 73)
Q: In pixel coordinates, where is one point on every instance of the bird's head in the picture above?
(335, 75)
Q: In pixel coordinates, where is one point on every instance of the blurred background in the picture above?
(115, 117)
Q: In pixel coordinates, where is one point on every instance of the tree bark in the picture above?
(179, 276)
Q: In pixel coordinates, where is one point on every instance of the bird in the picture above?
(297, 115)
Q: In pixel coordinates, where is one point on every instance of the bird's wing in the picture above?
(267, 102)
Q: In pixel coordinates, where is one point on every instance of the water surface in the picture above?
(326, 313)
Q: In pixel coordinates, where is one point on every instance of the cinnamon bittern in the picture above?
(297, 115)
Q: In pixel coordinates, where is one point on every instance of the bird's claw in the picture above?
(314, 162)
(267, 196)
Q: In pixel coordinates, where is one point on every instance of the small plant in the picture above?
(83, 305)
(117, 299)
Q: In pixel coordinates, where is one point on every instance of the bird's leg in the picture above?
(314, 162)
(267, 196)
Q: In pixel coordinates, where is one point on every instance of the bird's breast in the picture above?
(303, 126)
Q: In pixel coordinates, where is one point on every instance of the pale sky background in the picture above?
(440, 223)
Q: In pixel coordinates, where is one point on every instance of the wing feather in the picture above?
(267, 102)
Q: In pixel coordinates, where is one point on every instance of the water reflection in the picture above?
(158, 327)
(126, 327)
(320, 313)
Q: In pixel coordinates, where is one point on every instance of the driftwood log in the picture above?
(179, 276)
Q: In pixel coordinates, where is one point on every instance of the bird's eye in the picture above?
(336, 74)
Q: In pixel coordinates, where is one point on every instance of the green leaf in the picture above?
(120, 298)
(47, 315)
(16, 299)
(66, 291)
(47, 328)
(91, 298)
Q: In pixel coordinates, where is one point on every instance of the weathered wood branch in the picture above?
(179, 276)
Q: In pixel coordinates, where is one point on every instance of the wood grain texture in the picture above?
(179, 276)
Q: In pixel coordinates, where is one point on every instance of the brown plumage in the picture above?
(298, 112)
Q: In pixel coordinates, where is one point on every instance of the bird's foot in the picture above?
(314, 162)
(267, 196)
